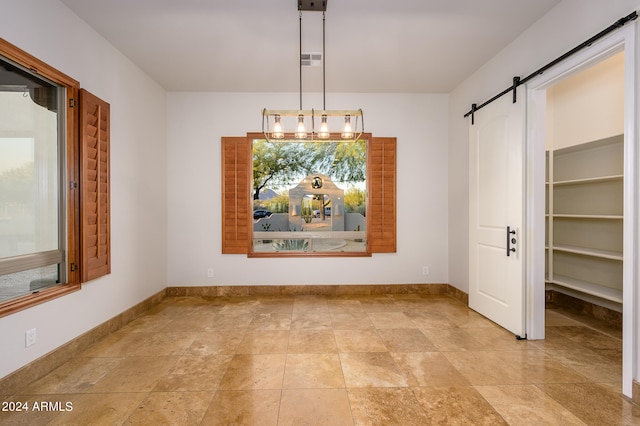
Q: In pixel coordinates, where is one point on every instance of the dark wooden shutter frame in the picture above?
(236, 183)
(95, 224)
(381, 215)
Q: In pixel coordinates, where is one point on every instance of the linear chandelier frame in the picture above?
(275, 123)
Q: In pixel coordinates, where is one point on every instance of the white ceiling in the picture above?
(411, 46)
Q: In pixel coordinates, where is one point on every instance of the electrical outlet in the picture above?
(29, 337)
(210, 273)
(425, 270)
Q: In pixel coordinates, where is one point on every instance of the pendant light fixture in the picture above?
(291, 125)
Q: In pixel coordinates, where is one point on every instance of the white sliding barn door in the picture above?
(496, 200)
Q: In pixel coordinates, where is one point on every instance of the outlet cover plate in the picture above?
(29, 337)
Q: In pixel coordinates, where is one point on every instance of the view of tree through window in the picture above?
(317, 188)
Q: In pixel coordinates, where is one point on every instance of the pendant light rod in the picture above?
(300, 59)
(324, 61)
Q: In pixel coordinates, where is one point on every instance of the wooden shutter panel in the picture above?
(95, 224)
(381, 217)
(236, 168)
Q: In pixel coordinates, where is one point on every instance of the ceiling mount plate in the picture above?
(315, 5)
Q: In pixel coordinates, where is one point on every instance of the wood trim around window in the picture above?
(72, 86)
(237, 166)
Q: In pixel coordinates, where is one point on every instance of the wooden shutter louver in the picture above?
(236, 167)
(95, 191)
(381, 217)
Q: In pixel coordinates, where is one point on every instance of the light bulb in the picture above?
(301, 132)
(324, 128)
(347, 132)
(277, 128)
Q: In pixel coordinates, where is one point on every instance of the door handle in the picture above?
(510, 240)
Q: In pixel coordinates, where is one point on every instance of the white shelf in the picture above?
(587, 216)
(587, 181)
(584, 181)
(614, 306)
(605, 254)
(586, 287)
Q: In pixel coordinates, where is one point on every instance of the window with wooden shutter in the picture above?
(236, 169)
(95, 191)
(237, 164)
(381, 217)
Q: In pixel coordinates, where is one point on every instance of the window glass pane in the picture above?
(29, 164)
(309, 196)
(27, 282)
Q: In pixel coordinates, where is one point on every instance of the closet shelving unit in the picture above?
(584, 221)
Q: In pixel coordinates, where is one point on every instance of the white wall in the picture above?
(587, 106)
(52, 33)
(197, 121)
(564, 27)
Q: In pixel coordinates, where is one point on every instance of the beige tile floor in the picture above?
(313, 360)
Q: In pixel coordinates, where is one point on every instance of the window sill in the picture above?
(30, 300)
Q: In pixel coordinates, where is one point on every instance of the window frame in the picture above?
(68, 189)
(237, 219)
